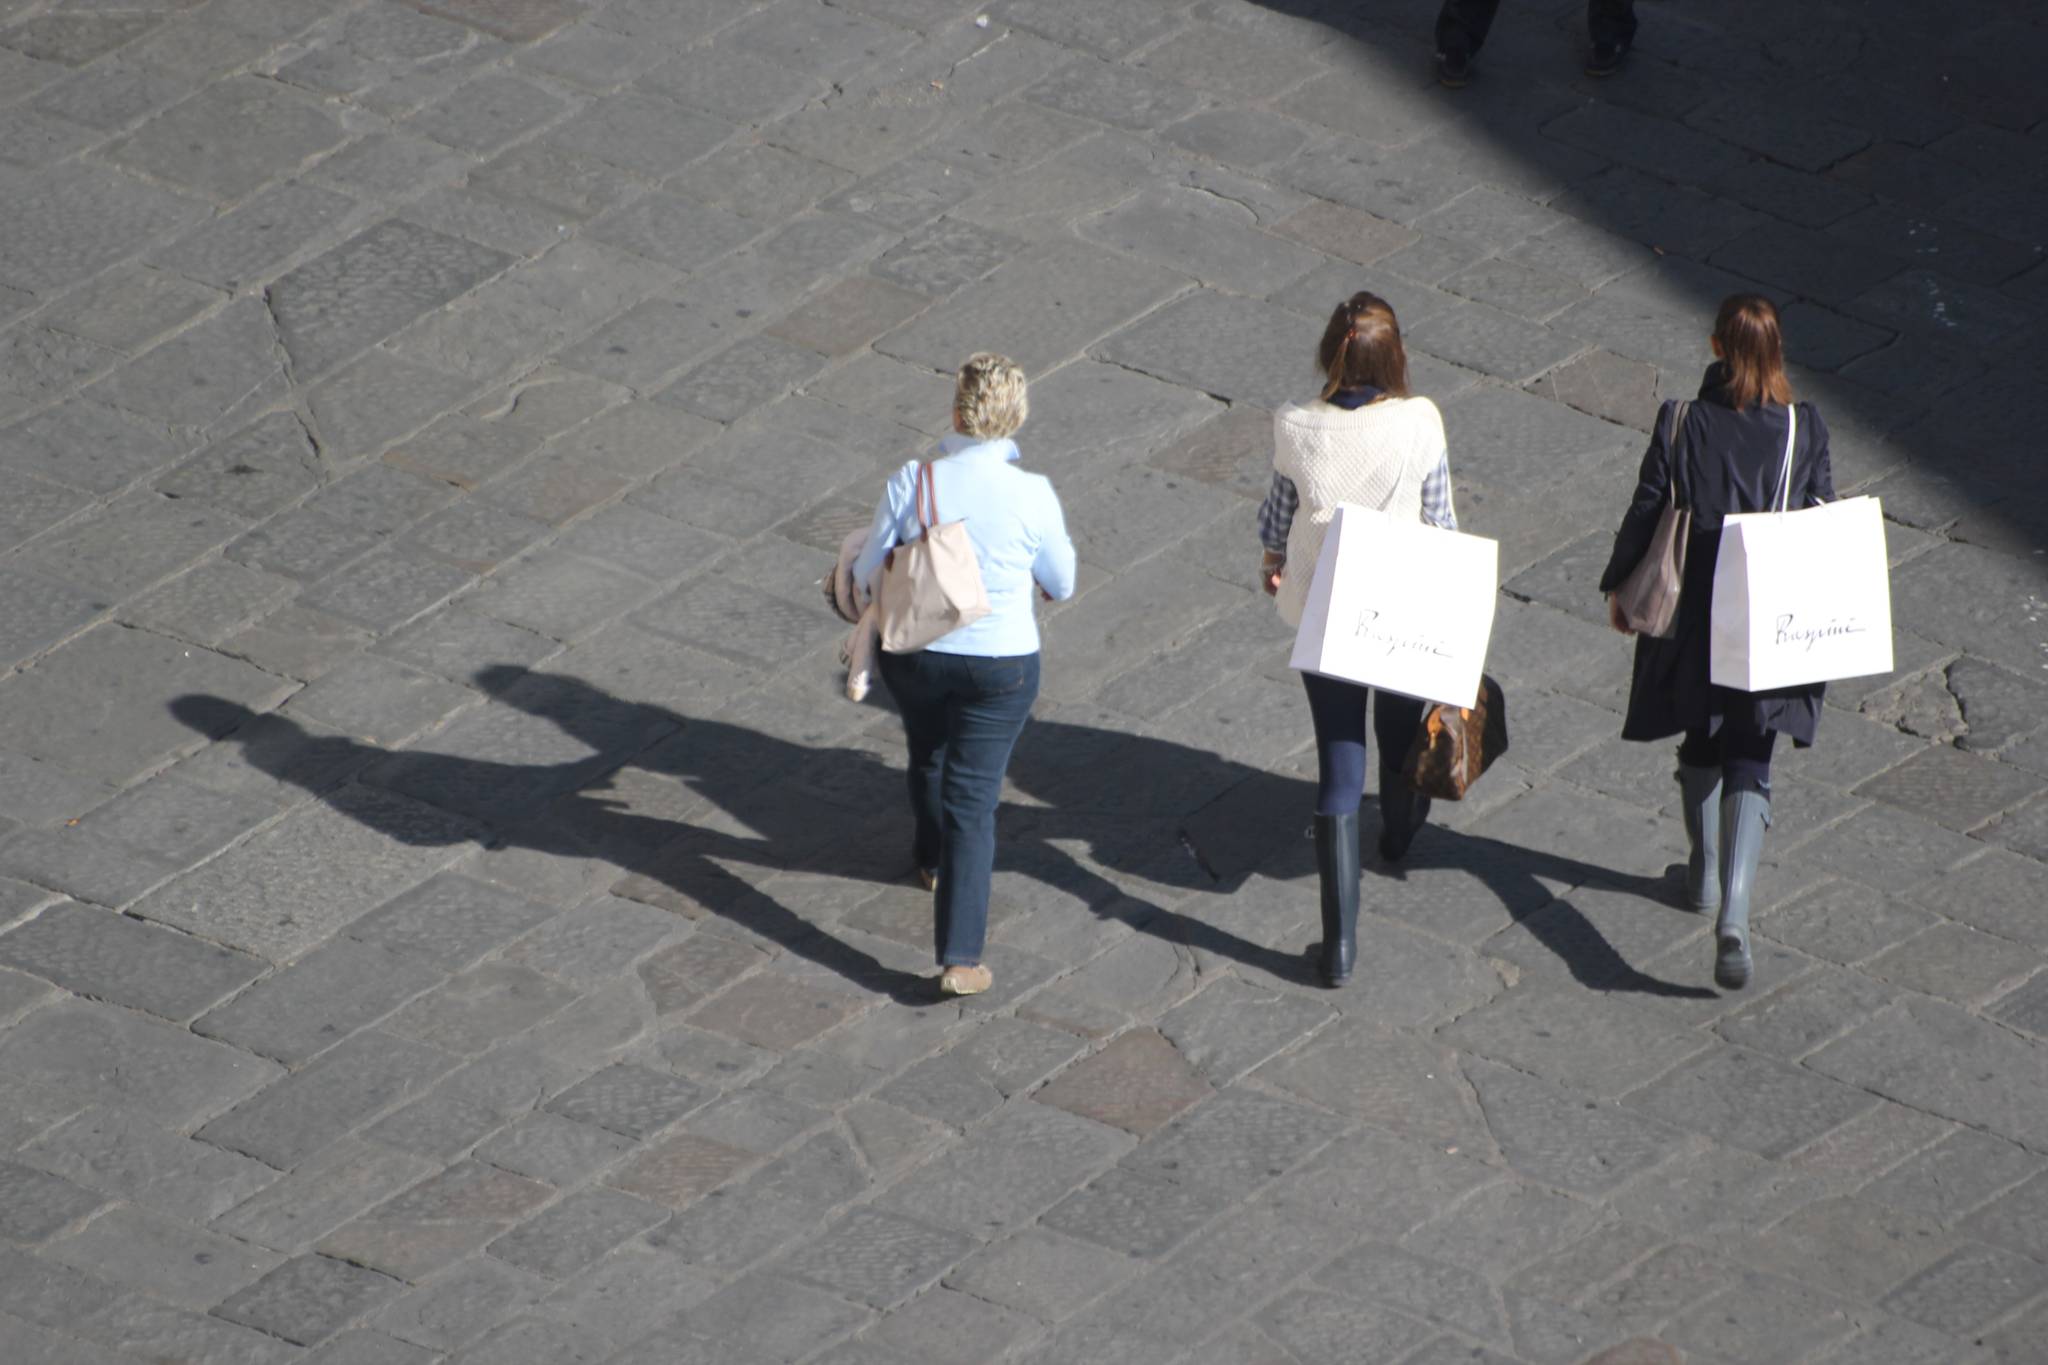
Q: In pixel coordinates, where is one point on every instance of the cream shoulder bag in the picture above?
(931, 586)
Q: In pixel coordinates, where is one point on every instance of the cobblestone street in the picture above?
(449, 912)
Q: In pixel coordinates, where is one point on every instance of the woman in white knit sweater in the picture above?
(1366, 440)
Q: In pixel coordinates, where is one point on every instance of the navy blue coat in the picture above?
(1728, 461)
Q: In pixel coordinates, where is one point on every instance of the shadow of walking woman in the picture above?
(1129, 824)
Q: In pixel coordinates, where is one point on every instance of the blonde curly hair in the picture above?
(990, 401)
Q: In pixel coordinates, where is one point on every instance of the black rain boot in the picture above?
(1745, 815)
(1700, 801)
(1403, 812)
(1337, 867)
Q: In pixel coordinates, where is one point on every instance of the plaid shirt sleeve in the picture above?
(1276, 514)
(1436, 496)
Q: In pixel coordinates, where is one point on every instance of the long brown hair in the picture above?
(1362, 345)
(1753, 349)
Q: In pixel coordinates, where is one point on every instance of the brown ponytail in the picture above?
(1753, 349)
(1361, 346)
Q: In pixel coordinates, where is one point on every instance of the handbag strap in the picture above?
(1678, 411)
(927, 498)
(1791, 436)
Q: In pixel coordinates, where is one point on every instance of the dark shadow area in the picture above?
(1877, 167)
(1147, 811)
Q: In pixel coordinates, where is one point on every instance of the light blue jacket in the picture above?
(1019, 534)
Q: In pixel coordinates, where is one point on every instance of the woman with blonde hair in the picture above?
(1722, 454)
(1364, 440)
(965, 697)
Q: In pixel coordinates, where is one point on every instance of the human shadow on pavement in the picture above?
(1148, 812)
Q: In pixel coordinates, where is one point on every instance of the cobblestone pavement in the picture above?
(448, 915)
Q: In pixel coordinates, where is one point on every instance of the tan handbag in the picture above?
(1648, 597)
(931, 586)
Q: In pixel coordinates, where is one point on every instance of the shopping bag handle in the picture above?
(1785, 476)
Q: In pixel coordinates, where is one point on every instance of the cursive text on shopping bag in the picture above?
(1808, 636)
(1389, 642)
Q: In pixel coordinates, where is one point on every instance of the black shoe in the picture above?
(1337, 869)
(1606, 59)
(1453, 68)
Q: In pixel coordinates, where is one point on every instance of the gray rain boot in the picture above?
(1745, 815)
(1700, 790)
(1337, 867)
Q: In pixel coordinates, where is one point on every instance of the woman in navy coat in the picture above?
(1728, 457)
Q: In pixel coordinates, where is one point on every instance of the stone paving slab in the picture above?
(446, 914)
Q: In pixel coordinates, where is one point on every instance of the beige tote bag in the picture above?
(931, 586)
(1648, 597)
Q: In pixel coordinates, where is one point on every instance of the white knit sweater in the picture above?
(1377, 456)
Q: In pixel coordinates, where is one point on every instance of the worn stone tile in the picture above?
(1800, 1017)
(1962, 1292)
(1137, 1083)
(473, 1012)
(1914, 1033)
(680, 1169)
(576, 1232)
(35, 1205)
(439, 1221)
(308, 1299)
(878, 1258)
(167, 1257)
(771, 1012)
(1602, 1047)
(103, 1055)
(629, 1100)
(1951, 787)
(333, 1186)
(125, 1155)
(140, 1325)
(111, 957)
(293, 1118)
(1802, 1106)
(459, 1305)
(1056, 300)
(191, 146)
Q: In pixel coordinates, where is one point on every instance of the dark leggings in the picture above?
(1462, 25)
(1338, 709)
(1739, 749)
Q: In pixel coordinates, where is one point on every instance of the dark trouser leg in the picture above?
(989, 705)
(1338, 709)
(1610, 21)
(1699, 794)
(924, 729)
(1395, 719)
(1462, 24)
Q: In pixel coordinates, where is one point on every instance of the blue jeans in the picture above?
(1338, 710)
(962, 714)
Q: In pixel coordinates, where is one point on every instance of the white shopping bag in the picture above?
(1401, 605)
(1801, 597)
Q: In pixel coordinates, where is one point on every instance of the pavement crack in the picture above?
(1190, 183)
(320, 466)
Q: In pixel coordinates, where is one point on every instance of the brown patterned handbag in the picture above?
(1455, 744)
